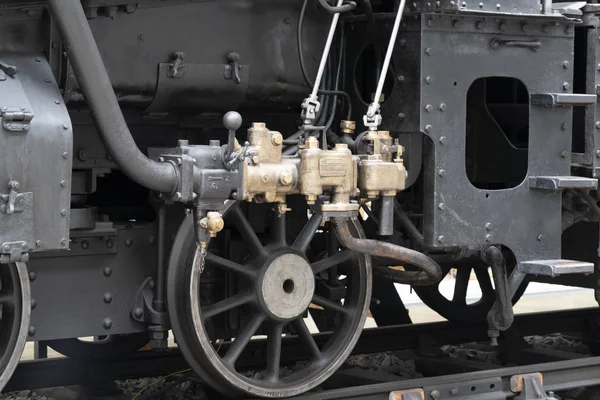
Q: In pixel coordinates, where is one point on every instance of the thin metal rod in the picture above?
(161, 277)
(388, 57)
(325, 54)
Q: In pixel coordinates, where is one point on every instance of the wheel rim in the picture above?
(268, 277)
(15, 299)
(457, 309)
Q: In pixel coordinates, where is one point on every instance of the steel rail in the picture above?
(65, 372)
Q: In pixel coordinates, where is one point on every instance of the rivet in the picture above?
(31, 330)
(110, 244)
(428, 108)
(63, 241)
(38, 243)
(128, 242)
(502, 25)
(57, 101)
(400, 78)
(566, 86)
(32, 276)
(48, 80)
(454, 391)
(63, 212)
(33, 304)
(107, 323)
(440, 239)
(540, 237)
(568, 29)
(464, 4)
(597, 125)
(488, 238)
(442, 206)
(6, 247)
(435, 394)
(65, 126)
(442, 107)
(480, 5)
(479, 25)
(430, 22)
(597, 153)
(37, 59)
(85, 244)
(65, 155)
(442, 172)
(428, 51)
(564, 126)
(563, 154)
(428, 80)
(63, 183)
(24, 245)
(401, 116)
(151, 284)
(442, 139)
(457, 23)
(107, 298)
(107, 271)
(566, 64)
(488, 226)
(498, 6)
(138, 313)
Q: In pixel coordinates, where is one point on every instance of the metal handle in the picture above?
(234, 59)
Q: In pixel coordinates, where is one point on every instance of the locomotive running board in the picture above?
(554, 268)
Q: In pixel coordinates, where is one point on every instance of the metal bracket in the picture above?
(142, 309)
(176, 69)
(16, 119)
(562, 182)
(530, 387)
(14, 252)
(530, 44)
(563, 99)
(14, 202)
(232, 69)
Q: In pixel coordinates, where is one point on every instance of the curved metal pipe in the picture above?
(430, 273)
(337, 9)
(97, 89)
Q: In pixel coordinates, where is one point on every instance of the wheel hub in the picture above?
(287, 286)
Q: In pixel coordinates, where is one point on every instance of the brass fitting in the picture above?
(381, 173)
(347, 127)
(213, 223)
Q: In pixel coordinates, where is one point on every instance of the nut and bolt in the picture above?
(277, 139)
(285, 178)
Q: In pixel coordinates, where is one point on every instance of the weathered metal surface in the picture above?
(36, 153)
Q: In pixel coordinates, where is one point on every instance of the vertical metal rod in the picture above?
(386, 216)
(547, 6)
(388, 57)
(159, 300)
(325, 54)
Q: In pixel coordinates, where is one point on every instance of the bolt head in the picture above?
(566, 86)
(488, 226)
(138, 313)
(428, 108)
(440, 239)
(107, 271)
(540, 237)
(277, 139)
(442, 206)
(107, 323)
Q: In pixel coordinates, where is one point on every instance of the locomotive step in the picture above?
(562, 182)
(555, 267)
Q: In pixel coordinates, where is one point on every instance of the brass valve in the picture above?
(383, 172)
(213, 223)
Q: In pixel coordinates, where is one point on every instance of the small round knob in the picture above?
(232, 120)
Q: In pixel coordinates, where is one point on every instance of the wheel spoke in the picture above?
(248, 234)
(242, 340)
(305, 335)
(328, 304)
(274, 352)
(226, 305)
(308, 232)
(278, 233)
(485, 283)
(332, 261)
(461, 284)
(228, 265)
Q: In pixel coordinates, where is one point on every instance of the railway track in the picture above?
(66, 372)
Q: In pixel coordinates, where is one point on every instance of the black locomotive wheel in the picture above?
(457, 309)
(279, 283)
(110, 347)
(15, 306)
